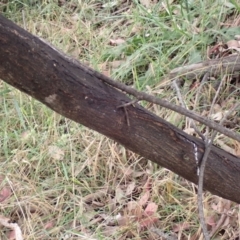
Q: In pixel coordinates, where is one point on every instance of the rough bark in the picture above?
(71, 89)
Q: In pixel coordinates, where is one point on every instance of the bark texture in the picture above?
(76, 92)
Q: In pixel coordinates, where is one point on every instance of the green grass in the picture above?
(69, 181)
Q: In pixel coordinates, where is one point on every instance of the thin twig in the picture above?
(192, 123)
(144, 96)
(179, 94)
(208, 145)
(206, 153)
(219, 224)
(128, 104)
(126, 114)
(216, 94)
(204, 80)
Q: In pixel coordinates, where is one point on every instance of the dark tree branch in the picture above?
(81, 94)
(215, 67)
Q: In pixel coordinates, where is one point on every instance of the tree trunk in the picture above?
(75, 91)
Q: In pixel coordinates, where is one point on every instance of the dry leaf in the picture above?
(119, 194)
(217, 116)
(5, 193)
(110, 220)
(49, 225)
(123, 221)
(56, 152)
(117, 41)
(110, 4)
(93, 196)
(130, 188)
(25, 135)
(144, 199)
(148, 185)
(151, 209)
(223, 206)
(145, 3)
(189, 131)
(210, 220)
(148, 218)
(134, 209)
(233, 44)
(131, 205)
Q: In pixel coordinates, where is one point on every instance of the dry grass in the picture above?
(69, 182)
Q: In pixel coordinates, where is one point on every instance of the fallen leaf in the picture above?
(135, 209)
(25, 135)
(110, 4)
(5, 193)
(123, 221)
(130, 188)
(233, 44)
(217, 116)
(109, 220)
(144, 198)
(148, 184)
(117, 41)
(131, 205)
(210, 220)
(93, 196)
(222, 206)
(145, 3)
(119, 194)
(56, 152)
(151, 209)
(189, 130)
(49, 225)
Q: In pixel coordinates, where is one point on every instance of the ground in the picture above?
(61, 180)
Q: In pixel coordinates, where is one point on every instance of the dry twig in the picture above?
(208, 144)
(215, 67)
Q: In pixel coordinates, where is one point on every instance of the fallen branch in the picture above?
(214, 67)
(81, 94)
